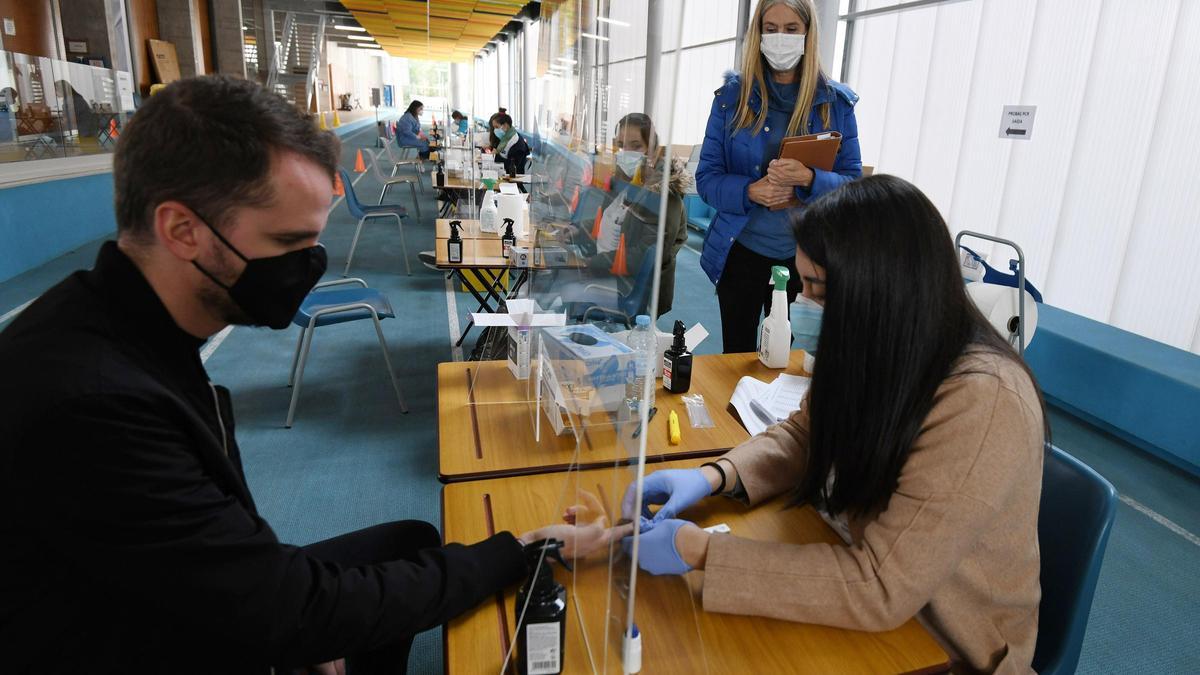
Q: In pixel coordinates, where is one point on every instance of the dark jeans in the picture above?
(400, 540)
(744, 293)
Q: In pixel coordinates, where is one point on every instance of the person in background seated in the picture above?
(632, 212)
(511, 149)
(780, 92)
(132, 543)
(408, 130)
(460, 122)
(921, 440)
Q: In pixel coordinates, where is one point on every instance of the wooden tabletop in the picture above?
(486, 420)
(677, 635)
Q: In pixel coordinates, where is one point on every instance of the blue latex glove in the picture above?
(675, 489)
(657, 553)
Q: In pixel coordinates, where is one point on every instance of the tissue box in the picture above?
(591, 364)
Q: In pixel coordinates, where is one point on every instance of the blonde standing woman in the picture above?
(781, 91)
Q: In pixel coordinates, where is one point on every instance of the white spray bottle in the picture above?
(489, 214)
(775, 337)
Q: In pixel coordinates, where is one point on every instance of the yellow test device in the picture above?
(673, 428)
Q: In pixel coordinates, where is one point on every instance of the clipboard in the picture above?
(816, 151)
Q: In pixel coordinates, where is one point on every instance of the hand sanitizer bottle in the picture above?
(775, 338)
(508, 239)
(454, 244)
(541, 610)
(489, 215)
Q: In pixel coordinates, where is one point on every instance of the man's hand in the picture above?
(766, 192)
(789, 173)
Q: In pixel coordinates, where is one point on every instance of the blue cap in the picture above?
(642, 320)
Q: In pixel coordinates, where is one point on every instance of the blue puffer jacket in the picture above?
(731, 160)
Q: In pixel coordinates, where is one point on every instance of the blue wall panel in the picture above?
(42, 221)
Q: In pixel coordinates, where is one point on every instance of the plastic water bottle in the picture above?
(644, 344)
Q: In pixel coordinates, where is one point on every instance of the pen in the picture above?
(649, 417)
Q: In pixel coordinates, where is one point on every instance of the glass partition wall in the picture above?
(568, 368)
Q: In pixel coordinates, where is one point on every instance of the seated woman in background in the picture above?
(632, 212)
(408, 130)
(511, 149)
(921, 440)
(460, 122)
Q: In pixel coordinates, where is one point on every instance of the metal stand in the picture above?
(1020, 278)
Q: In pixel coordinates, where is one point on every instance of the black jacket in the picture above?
(129, 541)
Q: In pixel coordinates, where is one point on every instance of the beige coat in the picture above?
(956, 546)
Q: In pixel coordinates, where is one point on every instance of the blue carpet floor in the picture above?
(352, 460)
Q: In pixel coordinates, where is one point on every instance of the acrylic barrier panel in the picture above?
(561, 225)
(52, 108)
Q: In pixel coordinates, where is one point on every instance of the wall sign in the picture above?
(10, 26)
(1017, 122)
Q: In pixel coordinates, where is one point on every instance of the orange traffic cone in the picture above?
(338, 190)
(112, 129)
(619, 266)
(596, 225)
(359, 165)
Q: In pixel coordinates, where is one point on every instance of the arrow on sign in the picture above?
(1014, 132)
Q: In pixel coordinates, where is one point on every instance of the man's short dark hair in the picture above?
(208, 143)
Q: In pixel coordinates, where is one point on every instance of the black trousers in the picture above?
(400, 540)
(744, 293)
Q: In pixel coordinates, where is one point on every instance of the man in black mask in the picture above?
(129, 541)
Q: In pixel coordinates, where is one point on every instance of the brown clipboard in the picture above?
(816, 151)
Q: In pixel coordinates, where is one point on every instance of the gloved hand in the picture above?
(657, 553)
(675, 489)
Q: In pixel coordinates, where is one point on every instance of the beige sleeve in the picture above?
(773, 462)
(970, 453)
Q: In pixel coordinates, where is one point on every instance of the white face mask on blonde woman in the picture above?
(782, 50)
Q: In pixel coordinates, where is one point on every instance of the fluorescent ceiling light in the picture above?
(356, 29)
(366, 38)
(605, 19)
(567, 61)
(594, 36)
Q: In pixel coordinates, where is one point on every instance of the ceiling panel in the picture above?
(451, 30)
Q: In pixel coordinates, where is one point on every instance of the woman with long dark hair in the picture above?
(408, 130)
(921, 439)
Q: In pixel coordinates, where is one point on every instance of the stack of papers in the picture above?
(760, 404)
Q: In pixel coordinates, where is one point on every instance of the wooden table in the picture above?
(486, 421)
(677, 635)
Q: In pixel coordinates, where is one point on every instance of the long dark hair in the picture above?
(414, 107)
(897, 317)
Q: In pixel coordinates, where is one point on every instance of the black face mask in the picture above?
(270, 290)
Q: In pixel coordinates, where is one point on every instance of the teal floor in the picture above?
(353, 460)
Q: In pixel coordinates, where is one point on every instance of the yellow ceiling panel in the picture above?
(443, 29)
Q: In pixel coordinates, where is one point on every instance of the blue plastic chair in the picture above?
(325, 308)
(364, 212)
(699, 214)
(593, 296)
(1077, 511)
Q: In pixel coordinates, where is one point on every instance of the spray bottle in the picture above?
(509, 238)
(489, 214)
(454, 245)
(677, 364)
(775, 338)
(541, 628)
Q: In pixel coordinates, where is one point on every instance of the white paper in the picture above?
(761, 405)
(509, 189)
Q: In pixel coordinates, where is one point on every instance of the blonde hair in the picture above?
(809, 70)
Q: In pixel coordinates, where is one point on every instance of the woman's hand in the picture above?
(766, 192)
(674, 489)
(789, 173)
(671, 547)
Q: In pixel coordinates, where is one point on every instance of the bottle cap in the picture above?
(780, 276)
(642, 320)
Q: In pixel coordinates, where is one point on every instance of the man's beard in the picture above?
(217, 300)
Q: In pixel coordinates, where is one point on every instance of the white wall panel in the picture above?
(875, 41)
(999, 68)
(941, 132)
(1118, 121)
(1158, 294)
(626, 42)
(906, 93)
(1056, 74)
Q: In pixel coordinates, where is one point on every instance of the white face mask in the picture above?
(783, 50)
(629, 161)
